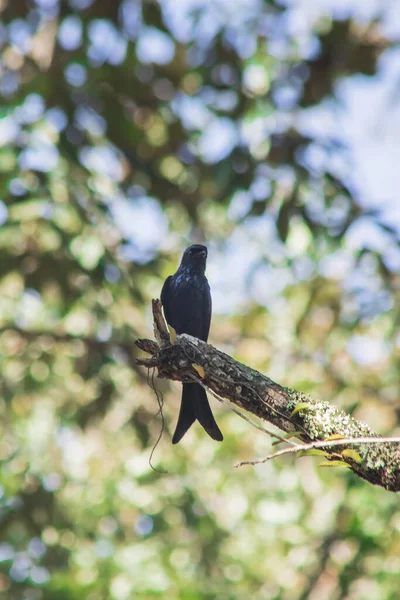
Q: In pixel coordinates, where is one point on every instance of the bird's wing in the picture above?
(174, 302)
(207, 310)
(166, 297)
(187, 305)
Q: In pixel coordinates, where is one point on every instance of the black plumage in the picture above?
(186, 300)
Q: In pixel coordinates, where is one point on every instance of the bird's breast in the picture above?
(191, 280)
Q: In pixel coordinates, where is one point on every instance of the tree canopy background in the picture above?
(268, 130)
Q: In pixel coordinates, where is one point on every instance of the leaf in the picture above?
(335, 463)
(335, 436)
(172, 334)
(312, 452)
(88, 250)
(301, 406)
(353, 454)
(199, 369)
(29, 210)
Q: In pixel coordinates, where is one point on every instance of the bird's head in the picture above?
(195, 256)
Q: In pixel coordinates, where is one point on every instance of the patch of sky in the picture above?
(75, 74)
(57, 118)
(268, 282)
(374, 143)
(303, 268)
(143, 525)
(260, 188)
(74, 453)
(29, 309)
(285, 97)
(39, 575)
(364, 148)
(6, 552)
(81, 4)
(70, 32)
(366, 233)
(201, 20)
(88, 119)
(366, 350)
(244, 42)
(337, 265)
(9, 83)
(49, 9)
(179, 17)
(391, 258)
(144, 225)
(47, 4)
(192, 111)
(3, 213)
(107, 44)
(21, 566)
(217, 140)
(39, 157)
(112, 273)
(103, 160)
(361, 10)
(31, 110)
(363, 285)
(9, 130)
(192, 20)
(391, 20)
(240, 205)
(314, 158)
(20, 35)
(362, 125)
(240, 260)
(36, 548)
(319, 121)
(104, 331)
(154, 46)
(131, 18)
(225, 100)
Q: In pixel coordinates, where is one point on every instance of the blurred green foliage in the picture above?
(129, 129)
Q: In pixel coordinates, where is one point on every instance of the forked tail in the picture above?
(194, 406)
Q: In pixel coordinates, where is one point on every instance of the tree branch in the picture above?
(289, 410)
(323, 445)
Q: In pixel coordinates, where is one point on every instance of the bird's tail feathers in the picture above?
(195, 406)
(204, 414)
(186, 414)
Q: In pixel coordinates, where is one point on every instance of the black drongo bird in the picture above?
(186, 300)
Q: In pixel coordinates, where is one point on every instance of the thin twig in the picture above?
(321, 444)
(160, 402)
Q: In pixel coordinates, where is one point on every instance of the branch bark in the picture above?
(254, 392)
